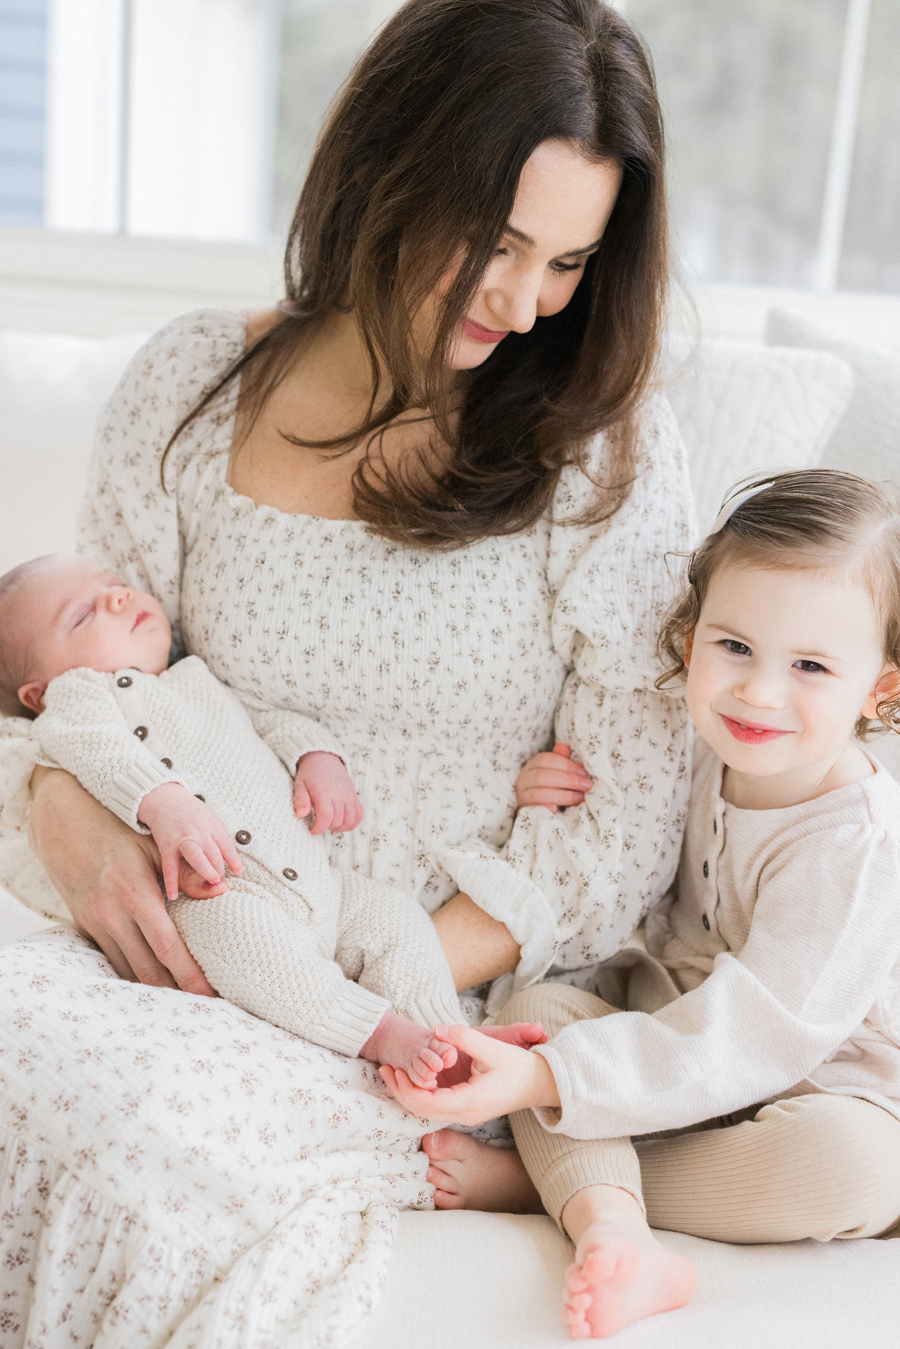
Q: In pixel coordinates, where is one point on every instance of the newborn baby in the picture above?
(350, 963)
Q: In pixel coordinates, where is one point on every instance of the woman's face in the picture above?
(560, 212)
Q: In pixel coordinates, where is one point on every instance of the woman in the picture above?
(422, 512)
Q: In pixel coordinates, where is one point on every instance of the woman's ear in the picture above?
(32, 695)
(688, 648)
(887, 686)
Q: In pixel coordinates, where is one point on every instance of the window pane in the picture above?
(748, 88)
(871, 257)
(320, 42)
(23, 43)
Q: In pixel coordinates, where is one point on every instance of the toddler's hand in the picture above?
(552, 780)
(323, 785)
(184, 828)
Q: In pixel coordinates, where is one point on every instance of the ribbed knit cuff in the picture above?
(513, 899)
(124, 795)
(439, 1009)
(291, 745)
(352, 1019)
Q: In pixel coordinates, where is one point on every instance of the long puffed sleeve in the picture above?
(130, 521)
(83, 730)
(572, 887)
(822, 944)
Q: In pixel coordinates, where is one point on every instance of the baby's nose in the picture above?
(118, 597)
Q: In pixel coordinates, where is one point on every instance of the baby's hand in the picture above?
(323, 785)
(552, 780)
(184, 828)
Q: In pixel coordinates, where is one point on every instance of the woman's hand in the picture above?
(107, 875)
(552, 780)
(323, 785)
(503, 1078)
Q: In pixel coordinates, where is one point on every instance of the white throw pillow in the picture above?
(867, 439)
(747, 409)
(52, 389)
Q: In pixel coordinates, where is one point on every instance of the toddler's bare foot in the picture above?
(621, 1272)
(415, 1049)
(469, 1174)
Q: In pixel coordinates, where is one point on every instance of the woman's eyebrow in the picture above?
(526, 239)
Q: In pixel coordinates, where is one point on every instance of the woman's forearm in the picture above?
(107, 876)
(477, 946)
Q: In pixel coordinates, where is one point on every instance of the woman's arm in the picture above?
(107, 875)
(477, 946)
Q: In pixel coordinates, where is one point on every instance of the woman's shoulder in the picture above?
(180, 361)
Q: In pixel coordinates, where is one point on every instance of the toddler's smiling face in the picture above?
(780, 666)
(72, 613)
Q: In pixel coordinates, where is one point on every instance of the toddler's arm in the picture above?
(182, 826)
(552, 780)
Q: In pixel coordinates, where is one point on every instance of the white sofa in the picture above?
(480, 1281)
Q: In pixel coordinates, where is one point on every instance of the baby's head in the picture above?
(62, 612)
(788, 630)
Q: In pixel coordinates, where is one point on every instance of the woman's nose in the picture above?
(514, 302)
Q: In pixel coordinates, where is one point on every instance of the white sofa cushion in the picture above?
(746, 409)
(51, 390)
(867, 438)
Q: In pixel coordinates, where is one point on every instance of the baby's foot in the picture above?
(403, 1044)
(622, 1274)
(470, 1174)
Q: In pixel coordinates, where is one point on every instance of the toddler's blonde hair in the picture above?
(808, 520)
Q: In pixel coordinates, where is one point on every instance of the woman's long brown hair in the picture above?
(418, 164)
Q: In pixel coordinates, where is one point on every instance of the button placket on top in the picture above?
(715, 844)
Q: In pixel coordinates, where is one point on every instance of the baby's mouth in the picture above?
(145, 613)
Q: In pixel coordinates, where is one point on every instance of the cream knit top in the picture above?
(778, 964)
(435, 675)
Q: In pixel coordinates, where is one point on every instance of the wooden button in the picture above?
(243, 836)
(167, 762)
(706, 871)
(197, 794)
(706, 922)
(289, 873)
(141, 731)
(124, 681)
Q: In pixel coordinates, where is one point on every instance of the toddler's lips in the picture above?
(752, 733)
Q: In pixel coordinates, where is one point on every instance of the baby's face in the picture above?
(73, 613)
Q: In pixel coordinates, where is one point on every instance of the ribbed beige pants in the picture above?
(804, 1166)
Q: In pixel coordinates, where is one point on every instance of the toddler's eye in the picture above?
(736, 648)
(810, 667)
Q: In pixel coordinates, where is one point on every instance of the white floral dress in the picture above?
(164, 1158)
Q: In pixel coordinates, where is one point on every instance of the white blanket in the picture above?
(204, 1180)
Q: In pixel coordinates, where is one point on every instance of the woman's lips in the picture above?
(479, 334)
(751, 733)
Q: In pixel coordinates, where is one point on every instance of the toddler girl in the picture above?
(751, 1091)
(330, 955)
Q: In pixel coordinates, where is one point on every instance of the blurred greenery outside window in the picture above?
(783, 123)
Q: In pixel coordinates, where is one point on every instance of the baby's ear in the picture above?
(32, 695)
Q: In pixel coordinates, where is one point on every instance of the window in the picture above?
(196, 118)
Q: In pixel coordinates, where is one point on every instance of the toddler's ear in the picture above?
(32, 695)
(688, 648)
(888, 686)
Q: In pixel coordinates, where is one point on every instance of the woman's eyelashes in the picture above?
(555, 266)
